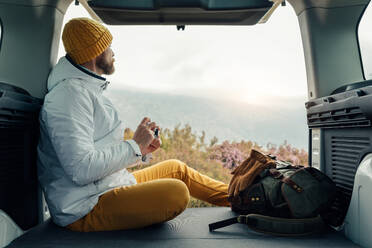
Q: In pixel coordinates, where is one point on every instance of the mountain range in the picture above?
(281, 119)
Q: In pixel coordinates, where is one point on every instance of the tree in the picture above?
(215, 160)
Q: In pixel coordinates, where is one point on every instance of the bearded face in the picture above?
(105, 62)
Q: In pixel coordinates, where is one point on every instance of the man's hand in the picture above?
(153, 146)
(144, 136)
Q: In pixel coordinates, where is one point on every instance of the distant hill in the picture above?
(279, 120)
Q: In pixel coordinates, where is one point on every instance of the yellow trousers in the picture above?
(162, 192)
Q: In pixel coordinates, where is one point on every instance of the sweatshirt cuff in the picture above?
(137, 151)
(135, 147)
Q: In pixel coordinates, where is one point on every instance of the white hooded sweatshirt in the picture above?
(81, 151)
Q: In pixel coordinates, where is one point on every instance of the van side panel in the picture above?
(37, 23)
(330, 42)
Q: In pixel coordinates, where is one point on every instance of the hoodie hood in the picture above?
(67, 69)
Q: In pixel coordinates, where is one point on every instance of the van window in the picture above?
(216, 91)
(239, 67)
(365, 41)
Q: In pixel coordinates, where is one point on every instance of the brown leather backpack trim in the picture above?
(292, 184)
(245, 174)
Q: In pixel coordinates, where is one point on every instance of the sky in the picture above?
(251, 64)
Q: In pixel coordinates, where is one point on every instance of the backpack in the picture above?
(277, 197)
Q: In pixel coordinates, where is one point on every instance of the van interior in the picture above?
(339, 115)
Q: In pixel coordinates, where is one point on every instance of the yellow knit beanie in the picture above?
(84, 39)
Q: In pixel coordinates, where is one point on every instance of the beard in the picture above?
(107, 67)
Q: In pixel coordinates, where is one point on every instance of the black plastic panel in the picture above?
(352, 86)
(203, 4)
(344, 149)
(18, 141)
(345, 119)
(347, 109)
(185, 12)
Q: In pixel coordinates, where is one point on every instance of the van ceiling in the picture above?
(181, 12)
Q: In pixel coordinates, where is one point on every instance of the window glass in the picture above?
(216, 91)
(365, 41)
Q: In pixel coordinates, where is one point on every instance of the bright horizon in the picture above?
(251, 64)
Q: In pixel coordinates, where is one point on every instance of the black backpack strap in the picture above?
(274, 225)
(223, 223)
(282, 226)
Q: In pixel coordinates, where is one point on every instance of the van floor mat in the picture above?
(190, 229)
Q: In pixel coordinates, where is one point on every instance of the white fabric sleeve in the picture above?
(135, 147)
(69, 120)
(145, 159)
